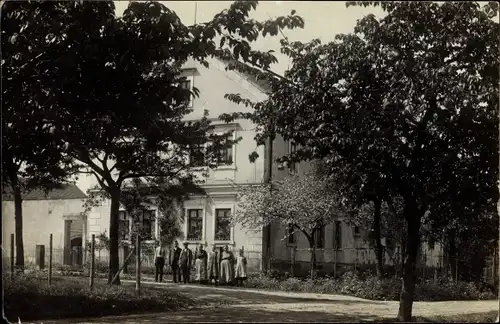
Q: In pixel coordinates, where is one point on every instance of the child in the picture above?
(240, 271)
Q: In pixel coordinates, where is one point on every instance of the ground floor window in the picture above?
(223, 224)
(194, 224)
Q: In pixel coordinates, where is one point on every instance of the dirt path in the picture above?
(248, 305)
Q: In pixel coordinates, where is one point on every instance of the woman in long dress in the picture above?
(226, 267)
(240, 271)
(213, 266)
(201, 265)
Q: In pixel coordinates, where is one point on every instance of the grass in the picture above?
(31, 298)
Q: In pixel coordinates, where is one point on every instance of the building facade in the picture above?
(60, 213)
(206, 217)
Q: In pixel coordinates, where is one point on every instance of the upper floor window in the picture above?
(223, 224)
(194, 224)
(197, 155)
(187, 84)
(226, 154)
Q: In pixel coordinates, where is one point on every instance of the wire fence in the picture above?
(430, 263)
(292, 260)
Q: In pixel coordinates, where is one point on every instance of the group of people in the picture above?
(212, 267)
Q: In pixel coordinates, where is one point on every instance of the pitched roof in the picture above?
(66, 191)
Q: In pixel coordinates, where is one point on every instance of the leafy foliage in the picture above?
(411, 99)
(305, 201)
(94, 74)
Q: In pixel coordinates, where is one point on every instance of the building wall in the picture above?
(40, 219)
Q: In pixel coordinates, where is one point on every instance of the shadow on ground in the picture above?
(211, 295)
(236, 314)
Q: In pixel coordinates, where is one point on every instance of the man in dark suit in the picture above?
(185, 262)
(173, 260)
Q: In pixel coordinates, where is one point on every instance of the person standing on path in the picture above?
(159, 262)
(240, 271)
(226, 267)
(185, 262)
(200, 264)
(213, 266)
(173, 260)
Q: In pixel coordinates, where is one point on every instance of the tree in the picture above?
(31, 153)
(115, 85)
(411, 98)
(306, 202)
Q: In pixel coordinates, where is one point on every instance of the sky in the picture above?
(322, 19)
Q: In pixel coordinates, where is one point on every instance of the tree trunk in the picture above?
(18, 212)
(114, 261)
(413, 218)
(451, 254)
(313, 253)
(378, 244)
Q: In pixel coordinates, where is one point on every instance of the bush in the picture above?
(371, 287)
(29, 297)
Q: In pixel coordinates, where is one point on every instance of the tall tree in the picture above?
(114, 88)
(411, 98)
(304, 203)
(32, 156)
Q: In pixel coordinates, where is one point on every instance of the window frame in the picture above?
(186, 224)
(291, 239)
(126, 218)
(190, 79)
(322, 233)
(231, 166)
(337, 235)
(356, 232)
(228, 163)
(153, 231)
(204, 163)
(214, 222)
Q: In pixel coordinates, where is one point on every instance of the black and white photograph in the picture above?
(250, 161)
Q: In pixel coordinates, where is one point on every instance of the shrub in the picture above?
(371, 287)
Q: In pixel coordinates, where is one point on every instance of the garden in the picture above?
(29, 297)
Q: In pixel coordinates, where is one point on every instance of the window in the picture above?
(292, 165)
(223, 224)
(194, 224)
(291, 234)
(197, 155)
(226, 154)
(123, 226)
(319, 237)
(337, 243)
(148, 224)
(186, 84)
(356, 231)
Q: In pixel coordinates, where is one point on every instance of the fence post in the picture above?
(92, 261)
(12, 256)
(294, 251)
(138, 265)
(50, 259)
